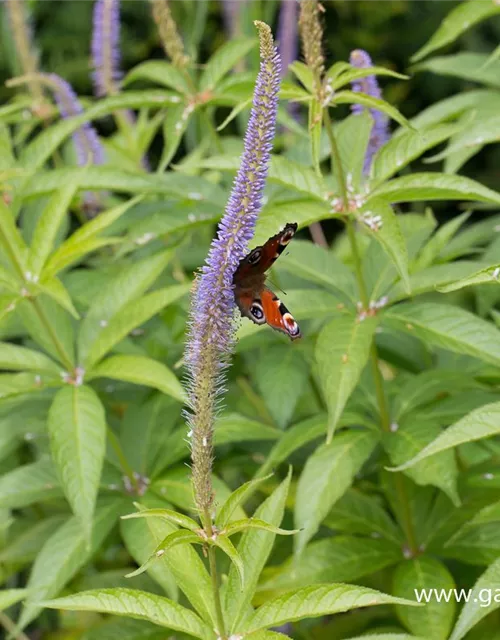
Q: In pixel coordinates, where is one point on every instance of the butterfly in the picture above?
(254, 299)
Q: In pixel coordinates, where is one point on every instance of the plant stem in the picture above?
(385, 419)
(126, 468)
(7, 624)
(337, 169)
(212, 563)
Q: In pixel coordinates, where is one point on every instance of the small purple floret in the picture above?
(380, 131)
(106, 46)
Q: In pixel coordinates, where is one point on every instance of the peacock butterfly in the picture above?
(254, 299)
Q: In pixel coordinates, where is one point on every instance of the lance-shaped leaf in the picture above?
(435, 186)
(223, 60)
(11, 240)
(254, 548)
(166, 514)
(353, 73)
(237, 498)
(172, 540)
(29, 483)
(130, 316)
(481, 423)
(483, 600)
(62, 556)
(8, 597)
(318, 600)
(490, 275)
(77, 431)
(460, 19)
(447, 327)
(136, 604)
(255, 523)
(342, 351)
(139, 370)
(55, 289)
(224, 543)
(49, 224)
(328, 473)
(17, 358)
(355, 97)
(387, 231)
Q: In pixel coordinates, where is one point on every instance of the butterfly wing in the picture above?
(262, 258)
(267, 308)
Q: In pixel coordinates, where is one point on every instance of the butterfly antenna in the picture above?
(276, 286)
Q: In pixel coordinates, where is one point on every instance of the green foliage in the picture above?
(366, 453)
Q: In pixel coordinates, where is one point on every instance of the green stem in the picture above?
(126, 468)
(68, 364)
(212, 563)
(337, 169)
(383, 408)
(7, 624)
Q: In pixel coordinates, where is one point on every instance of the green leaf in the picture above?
(294, 438)
(17, 358)
(223, 60)
(401, 149)
(224, 543)
(140, 370)
(388, 233)
(237, 497)
(460, 19)
(490, 275)
(136, 604)
(333, 559)
(351, 97)
(24, 548)
(160, 72)
(174, 539)
(130, 316)
(472, 135)
(11, 241)
(447, 327)
(355, 73)
(166, 514)
(127, 285)
(63, 555)
(416, 575)
(175, 125)
(480, 423)
(85, 238)
(483, 601)
(342, 351)
(357, 512)
(303, 73)
(276, 215)
(353, 135)
(254, 549)
(8, 597)
(255, 523)
(77, 431)
(54, 289)
(315, 601)
(408, 439)
(28, 484)
(431, 250)
(236, 428)
(280, 374)
(328, 473)
(469, 66)
(435, 186)
(49, 224)
(182, 562)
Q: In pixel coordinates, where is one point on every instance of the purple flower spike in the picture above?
(212, 326)
(380, 131)
(288, 43)
(106, 46)
(87, 144)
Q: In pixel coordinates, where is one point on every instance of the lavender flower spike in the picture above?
(211, 335)
(87, 144)
(106, 46)
(380, 131)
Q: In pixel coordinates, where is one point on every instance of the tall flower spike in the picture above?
(23, 42)
(106, 47)
(169, 34)
(380, 130)
(311, 35)
(287, 33)
(212, 325)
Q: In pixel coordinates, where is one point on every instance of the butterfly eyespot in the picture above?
(257, 312)
(255, 256)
